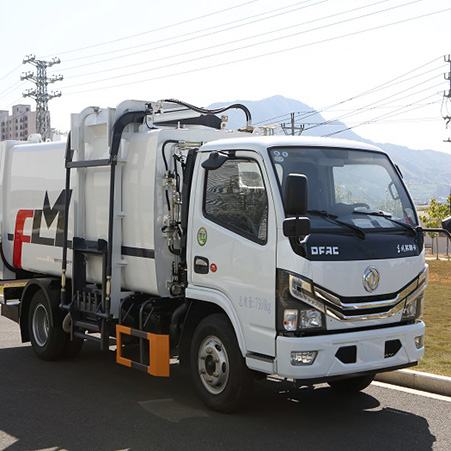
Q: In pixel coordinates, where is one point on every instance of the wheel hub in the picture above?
(213, 364)
(40, 325)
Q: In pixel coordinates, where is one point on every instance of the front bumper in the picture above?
(370, 349)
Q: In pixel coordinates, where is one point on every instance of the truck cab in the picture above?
(341, 299)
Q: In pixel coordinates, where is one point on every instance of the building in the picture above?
(19, 125)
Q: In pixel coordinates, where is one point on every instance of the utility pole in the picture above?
(447, 94)
(40, 94)
(292, 127)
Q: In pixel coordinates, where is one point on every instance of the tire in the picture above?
(48, 341)
(352, 384)
(219, 372)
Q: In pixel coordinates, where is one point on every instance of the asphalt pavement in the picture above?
(91, 403)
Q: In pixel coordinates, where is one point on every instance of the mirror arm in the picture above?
(298, 231)
(448, 234)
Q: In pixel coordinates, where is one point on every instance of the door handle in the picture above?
(201, 265)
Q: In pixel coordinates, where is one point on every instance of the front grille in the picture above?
(365, 307)
(372, 298)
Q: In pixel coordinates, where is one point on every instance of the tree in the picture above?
(435, 213)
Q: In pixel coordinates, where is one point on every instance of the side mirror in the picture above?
(296, 195)
(295, 227)
(214, 161)
(296, 203)
(446, 224)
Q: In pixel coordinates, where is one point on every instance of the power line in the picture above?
(14, 102)
(397, 121)
(386, 115)
(367, 107)
(385, 85)
(9, 73)
(252, 57)
(215, 28)
(306, 114)
(10, 88)
(261, 43)
(197, 37)
(155, 30)
(399, 108)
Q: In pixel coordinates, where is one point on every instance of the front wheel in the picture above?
(352, 384)
(218, 368)
(48, 341)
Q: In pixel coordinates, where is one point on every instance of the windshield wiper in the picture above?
(408, 227)
(357, 230)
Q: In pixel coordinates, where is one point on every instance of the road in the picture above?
(91, 403)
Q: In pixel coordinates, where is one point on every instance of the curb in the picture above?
(420, 381)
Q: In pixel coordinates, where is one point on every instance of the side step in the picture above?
(158, 351)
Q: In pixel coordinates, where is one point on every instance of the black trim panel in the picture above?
(125, 250)
(375, 246)
(138, 252)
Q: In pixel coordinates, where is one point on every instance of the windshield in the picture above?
(358, 187)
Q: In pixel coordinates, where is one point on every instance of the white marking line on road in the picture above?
(6, 440)
(412, 391)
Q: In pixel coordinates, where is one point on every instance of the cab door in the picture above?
(232, 246)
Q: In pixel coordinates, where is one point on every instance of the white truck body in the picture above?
(353, 282)
(32, 170)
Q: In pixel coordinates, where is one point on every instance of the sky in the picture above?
(377, 65)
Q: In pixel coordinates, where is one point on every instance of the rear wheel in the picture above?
(219, 371)
(352, 384)
(48, 340)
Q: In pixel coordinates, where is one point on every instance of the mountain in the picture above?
(427, 173)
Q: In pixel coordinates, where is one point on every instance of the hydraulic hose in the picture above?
(237, 106)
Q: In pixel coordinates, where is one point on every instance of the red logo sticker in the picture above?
(213, 267)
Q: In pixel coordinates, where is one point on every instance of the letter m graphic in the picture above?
(50, 215)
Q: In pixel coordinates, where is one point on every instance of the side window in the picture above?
(235, 197)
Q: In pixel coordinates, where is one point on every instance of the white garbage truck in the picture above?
(156, 232)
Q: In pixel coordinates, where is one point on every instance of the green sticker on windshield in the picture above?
(202, 236)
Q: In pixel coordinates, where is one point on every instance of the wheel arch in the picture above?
(49, 287)
(199, 308)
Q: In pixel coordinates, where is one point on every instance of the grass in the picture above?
(437, 316)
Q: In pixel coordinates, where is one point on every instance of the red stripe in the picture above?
(19, 237)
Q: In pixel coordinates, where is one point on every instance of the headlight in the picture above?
(290, 319)
(413, 308)
(302, 289)
(298, 309)
(311, 318)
